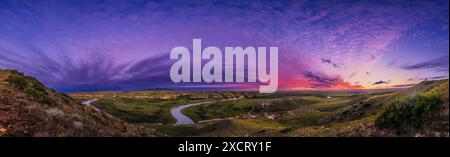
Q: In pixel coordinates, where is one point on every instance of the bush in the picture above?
(55, 113)
(32, 87)
(410, 114)
(78, 125)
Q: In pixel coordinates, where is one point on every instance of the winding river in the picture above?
(180, 117)
(88, 103)
(176, 111)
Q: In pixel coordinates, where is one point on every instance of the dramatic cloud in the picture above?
(124, 45)
(321, 81)
(94, 72)
(438, 64)
(335, 65)
(382, 82)
(427, 78)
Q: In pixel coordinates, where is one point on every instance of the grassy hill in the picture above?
(421, 110)
(418, 111)
(28, 108)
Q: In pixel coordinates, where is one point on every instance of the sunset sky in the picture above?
(91, 45)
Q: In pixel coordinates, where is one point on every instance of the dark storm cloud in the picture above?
(94, 72)
(343, 32)
(381, 82)
(393, 62)
(438, 64)
(319, 80)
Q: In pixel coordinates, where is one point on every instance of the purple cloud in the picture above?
(403, 85)
(427, 78)
(382, 82)
(438, 64)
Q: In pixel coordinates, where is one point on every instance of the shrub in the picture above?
(78, 125)
(409, 114)
(55, 113)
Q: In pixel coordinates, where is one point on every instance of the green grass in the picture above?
(30, 86)
(306, 119)
(297, 113)
(410, 114)
(221, 109)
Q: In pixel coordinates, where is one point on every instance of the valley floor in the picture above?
(29, 108)
(281, 114)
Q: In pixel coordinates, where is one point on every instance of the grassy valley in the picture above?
(288, 113)
(28, 108)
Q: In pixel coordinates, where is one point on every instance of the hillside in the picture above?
(28, 108)
(421, 110)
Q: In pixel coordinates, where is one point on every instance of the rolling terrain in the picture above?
(306, 113)
(28, 108)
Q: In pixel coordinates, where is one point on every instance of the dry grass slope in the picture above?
(28, 108)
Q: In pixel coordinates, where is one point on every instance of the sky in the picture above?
(92, 45)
